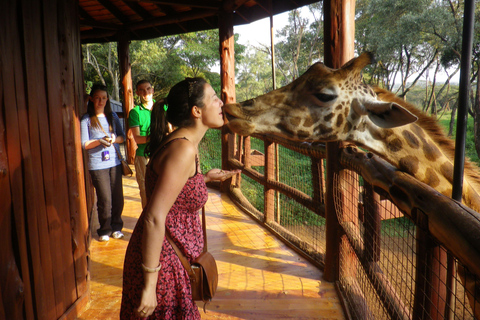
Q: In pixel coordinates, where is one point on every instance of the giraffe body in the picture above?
(327, 104)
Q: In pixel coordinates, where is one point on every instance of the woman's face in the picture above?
(212, 114)
(99, 99)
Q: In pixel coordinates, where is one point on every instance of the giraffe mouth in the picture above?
(236, 121)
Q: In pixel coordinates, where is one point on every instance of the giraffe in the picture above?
(327, 104)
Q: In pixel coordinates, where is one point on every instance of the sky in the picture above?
(258, 32)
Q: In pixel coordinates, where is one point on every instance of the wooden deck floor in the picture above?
(259, 277)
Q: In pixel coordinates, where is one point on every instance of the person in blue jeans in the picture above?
(101, 130)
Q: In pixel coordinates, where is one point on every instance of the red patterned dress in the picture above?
(184, 224)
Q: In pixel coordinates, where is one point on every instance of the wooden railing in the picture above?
(401, 243)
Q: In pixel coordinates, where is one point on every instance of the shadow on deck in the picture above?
(259, 276)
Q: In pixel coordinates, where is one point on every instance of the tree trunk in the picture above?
(452, 119)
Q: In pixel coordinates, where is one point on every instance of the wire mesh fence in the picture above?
(390, 264)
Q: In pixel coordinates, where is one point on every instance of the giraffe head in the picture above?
(323, 104)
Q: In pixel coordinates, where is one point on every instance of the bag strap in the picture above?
(204, 227)
(181, 256)
(179, 253)
(118, 152)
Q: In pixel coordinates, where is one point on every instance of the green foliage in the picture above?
(210, 150)
(163, 61)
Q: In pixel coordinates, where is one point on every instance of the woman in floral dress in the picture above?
(155, 283)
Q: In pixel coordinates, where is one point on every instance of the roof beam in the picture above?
(138, 9)
(114, 10)
(172, 19)
(205, 4)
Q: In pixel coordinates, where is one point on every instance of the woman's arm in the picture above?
(87, 143)
(173, 168)
(220, 175)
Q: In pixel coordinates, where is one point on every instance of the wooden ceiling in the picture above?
(102, 20)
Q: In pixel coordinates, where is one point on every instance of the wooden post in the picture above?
(126, 76)
(371, 235)
(227, 77)
(269, 193)
(339, 34)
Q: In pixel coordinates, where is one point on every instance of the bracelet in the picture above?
(151, 270)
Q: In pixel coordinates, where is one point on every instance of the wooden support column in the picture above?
(339, 34)
(227, 77)
(126, 76)
(269, 193)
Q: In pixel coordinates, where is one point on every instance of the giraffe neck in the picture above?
(415, 151)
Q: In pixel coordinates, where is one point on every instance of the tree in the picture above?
(163, 61)
(301, 43)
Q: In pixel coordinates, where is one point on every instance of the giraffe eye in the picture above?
(324, 97)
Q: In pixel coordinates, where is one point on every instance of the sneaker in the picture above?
(103, 238)
(117, 235)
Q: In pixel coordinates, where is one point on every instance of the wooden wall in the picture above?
(43, 215)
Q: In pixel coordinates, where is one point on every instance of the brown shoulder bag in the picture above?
(203, 271)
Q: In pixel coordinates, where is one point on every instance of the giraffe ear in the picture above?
(384, 114)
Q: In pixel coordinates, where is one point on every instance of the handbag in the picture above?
(203, 272)
(126, 171)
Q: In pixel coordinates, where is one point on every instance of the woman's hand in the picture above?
(148, 302)
(220, 175)
(105, 141)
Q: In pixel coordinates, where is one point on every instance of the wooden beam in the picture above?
(227, 77)
(206, 4)
(138, 9)
(127, 85)
(115, 11)
(171, 19)
(339, 32)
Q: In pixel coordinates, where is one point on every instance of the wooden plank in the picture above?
(259, 276)
(227, 78)
(13, 106)
(66, 111)
(59, 100)
(11, 304)
(38, 228)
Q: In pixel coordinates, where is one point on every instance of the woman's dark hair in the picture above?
(107, 111)
(175, 109)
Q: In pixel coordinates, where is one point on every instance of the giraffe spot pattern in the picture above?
(431, 152)
(308, 122)
(323, 130)
(303, 134)
(295, 121)
(348, 127)
(339, 120)
(412, 141)
(409, 164)
(328, 117)
(418, 131)
(447, 171)
(380, 134)
(431, 178)
(394, 145)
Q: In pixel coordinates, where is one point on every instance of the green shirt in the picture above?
(140, 117)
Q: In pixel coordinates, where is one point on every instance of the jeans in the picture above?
(109, 190)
